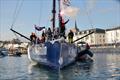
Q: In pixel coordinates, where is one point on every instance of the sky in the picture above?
(22, 15)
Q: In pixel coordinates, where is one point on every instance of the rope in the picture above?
(39, 21)
(14, 14)
(16, 36)
(0, 18)
(89, 19)
(17, 11)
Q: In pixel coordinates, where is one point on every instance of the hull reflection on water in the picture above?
(106, 66)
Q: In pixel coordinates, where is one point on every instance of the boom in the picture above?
(20, 34)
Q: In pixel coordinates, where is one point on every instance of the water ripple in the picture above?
(104, 67)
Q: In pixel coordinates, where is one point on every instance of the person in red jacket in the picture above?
(62, 26)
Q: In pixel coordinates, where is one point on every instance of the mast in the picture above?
(54, 12)
(59, 11)
(59, 6)
(59, 16)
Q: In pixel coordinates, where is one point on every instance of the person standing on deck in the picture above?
(62, 26)
(43, 37)
(56, 33)
(49, 34)
(33, 37)
(70, 36)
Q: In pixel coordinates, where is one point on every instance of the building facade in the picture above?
(112, 35)
(98, 37)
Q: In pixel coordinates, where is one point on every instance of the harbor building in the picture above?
(98, 37)
(112, 35)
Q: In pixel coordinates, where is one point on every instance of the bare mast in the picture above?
(59, 12)
(54, 13)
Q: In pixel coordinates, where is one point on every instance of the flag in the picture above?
(38, 28)
(66, 2)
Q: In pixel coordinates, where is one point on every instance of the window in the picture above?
(76, 33)
(116, 34)
(86, 37)
(103, 40)
(103, 36)
(91, 41)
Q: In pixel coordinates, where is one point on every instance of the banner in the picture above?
(38, 28)
(66, 2)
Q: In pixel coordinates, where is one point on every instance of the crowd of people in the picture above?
(48, 35)
(59, 32)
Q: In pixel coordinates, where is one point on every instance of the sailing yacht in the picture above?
(56, 53)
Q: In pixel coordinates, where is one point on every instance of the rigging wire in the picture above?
(17, 11)
(40, 15)
(40, 12)
(50, 18)
(16, 36)
(89, 18)
(0, 17)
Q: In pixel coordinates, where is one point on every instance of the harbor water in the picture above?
(106, 66)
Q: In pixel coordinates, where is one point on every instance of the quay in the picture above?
(106, 50)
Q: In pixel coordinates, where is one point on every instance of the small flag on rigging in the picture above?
(38, 28)
(66, 2)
